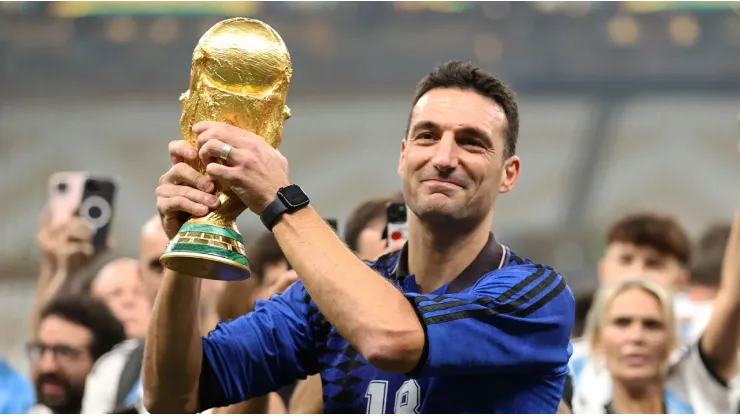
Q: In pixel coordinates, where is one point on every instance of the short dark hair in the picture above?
(368, 211)
(466, 76)
(709, 252)
(263, 251)
(661, 232)
(93, 314)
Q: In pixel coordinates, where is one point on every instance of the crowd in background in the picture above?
(660, 335)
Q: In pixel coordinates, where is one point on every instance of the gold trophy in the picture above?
(240, 75)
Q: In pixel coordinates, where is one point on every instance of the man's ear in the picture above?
(509, 174)
(402, 158)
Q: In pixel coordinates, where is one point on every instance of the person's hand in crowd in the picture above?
(393, 246)
(252, 168)
(183, 191)
(66, 246)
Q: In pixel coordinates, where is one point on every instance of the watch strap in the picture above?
(290, 198)
(272, 212)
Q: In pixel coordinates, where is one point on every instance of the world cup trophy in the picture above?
(240, 75)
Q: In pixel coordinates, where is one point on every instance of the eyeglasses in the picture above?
(61, 353)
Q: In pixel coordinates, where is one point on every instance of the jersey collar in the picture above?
(491, 257)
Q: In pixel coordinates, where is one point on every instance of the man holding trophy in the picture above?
(452, 323)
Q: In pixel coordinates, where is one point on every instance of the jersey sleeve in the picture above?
(258, 352)
(693, 386)
(513, 319)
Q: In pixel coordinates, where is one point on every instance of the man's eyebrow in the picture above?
(424, 125)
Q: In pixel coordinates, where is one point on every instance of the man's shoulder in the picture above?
(385, 264)
(522, 274)
(526, 287)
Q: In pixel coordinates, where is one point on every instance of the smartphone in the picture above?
(397, 224)
(65, 195)
(87, 195)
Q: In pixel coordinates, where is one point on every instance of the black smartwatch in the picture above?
(289, 199)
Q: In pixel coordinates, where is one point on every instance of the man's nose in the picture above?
(445, 153)
(47, 362)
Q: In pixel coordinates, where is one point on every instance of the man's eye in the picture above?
(471, 142)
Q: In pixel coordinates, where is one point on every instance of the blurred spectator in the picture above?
(16, 391)
(363, 232)
(152, 243)
(632, 328)
(120, 286)
(646, 245)
(74, 331)
(114, 384)
(716, 347)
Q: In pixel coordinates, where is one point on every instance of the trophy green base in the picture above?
(207, 251)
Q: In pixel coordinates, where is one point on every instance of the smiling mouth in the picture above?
(443, 182)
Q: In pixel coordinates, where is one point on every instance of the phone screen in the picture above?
(397, 227)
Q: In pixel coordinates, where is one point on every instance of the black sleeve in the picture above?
(568, 390)
(210, 393)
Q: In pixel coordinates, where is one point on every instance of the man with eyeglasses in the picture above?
(73, 332)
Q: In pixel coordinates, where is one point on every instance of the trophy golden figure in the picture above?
(240, 75)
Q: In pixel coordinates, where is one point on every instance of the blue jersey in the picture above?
(497, 341)
(16, 391)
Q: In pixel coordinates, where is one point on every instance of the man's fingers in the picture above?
(202, 126)
(44, 217)
(184, 174)
(181, 151)
(85, 249)
(80, 233)
(210, 152)
(226, 134)
(77, 229)
(396, 245)
(187, 192)
(220, 172)
(174, 205)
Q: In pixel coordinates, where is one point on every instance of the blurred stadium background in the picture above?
(625, 105)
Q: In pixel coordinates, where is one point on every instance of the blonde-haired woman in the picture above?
(632, 330)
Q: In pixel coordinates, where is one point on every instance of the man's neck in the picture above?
(645, 400)
(436, 258)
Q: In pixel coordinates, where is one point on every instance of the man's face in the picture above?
(452, 161)
(60, 363)
(120, 286)
(624, 260)
(151, 246)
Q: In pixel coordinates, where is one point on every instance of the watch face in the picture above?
(294, 195)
